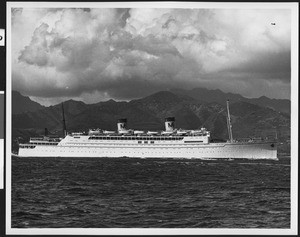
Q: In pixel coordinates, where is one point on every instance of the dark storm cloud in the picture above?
(272, 66)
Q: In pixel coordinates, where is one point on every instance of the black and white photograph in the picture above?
(152, 118)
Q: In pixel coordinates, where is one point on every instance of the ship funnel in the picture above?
(170, 124)
(122, 125)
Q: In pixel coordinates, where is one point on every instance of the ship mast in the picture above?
(229, 124)
(64, 121)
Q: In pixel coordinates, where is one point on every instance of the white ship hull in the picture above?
(189, 151)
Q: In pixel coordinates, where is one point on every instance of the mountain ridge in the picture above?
(197, 94)
(21, 104)
(206, 95)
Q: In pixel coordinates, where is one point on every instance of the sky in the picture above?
(97, 54)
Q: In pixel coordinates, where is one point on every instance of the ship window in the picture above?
(139, 141)
(152, 142)
(145, 141)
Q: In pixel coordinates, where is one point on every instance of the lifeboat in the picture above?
(152, 133)
(181, 132)
(109, 132)
(167, 132)
(95, 131)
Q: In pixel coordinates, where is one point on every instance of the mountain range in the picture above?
(218, 96)
(191, 109)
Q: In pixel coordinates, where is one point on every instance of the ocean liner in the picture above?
(170, 143)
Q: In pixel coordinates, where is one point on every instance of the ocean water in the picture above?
(154, 193)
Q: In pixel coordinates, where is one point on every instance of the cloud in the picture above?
(129, 53)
